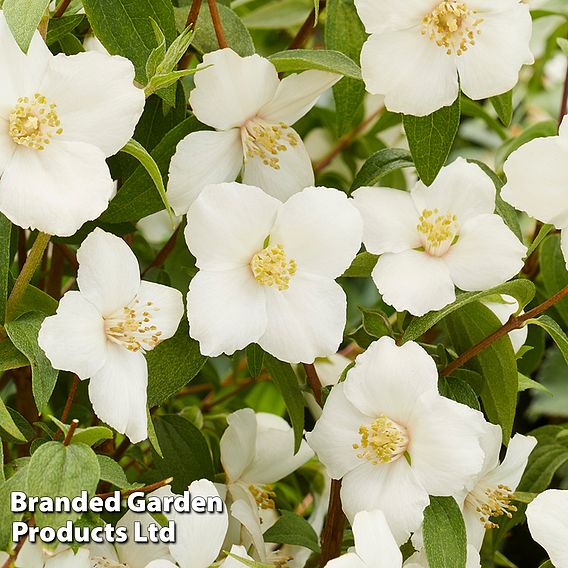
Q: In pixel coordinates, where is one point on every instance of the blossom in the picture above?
(267, 270)
(34, 556)
(60, 118)
(547, 517)
(420, 55)
(436, 238)
(157, 228)
(375, 546)
(537, 177)
(251, 110)
(393, 439)
(103, 330)
(489, 496)
(504, 306)
(257, 450)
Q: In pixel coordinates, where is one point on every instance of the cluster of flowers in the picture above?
(269, 251)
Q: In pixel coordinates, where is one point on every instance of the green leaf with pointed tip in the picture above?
(553, 272)
(23, 17)
(323, 59)
(362, 266)
(503, 105)
(380, 164)
(255, 359)
(555, 331)
(7, 423)
(111, 472)
(5, 261)
(293, 529)
(10, 357)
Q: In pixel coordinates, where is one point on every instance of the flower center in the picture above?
(383, 441)
(453, 26)
(437, 231)
(491, 502)
(33, 123)
(99, 562)
(264, 496)
(132, 327)
(271, 267)
(266, 141)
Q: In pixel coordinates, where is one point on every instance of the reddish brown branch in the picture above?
(146, 489)
(332, 535)
(63, 5)
(313, 381)
(307, 29)
(193, 14)
(70, 432)
(216, 18)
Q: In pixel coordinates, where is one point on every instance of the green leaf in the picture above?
(255, 359)
(553, 272)
(23, 17)
(57, 470)
(7, 423)
(286, 381)
(459, 390)
(497, 364)
(237, 35)
(503, 105)
(10, 357)
(152, 438)
(563, 44)
(542, 234)
(112, 473)
(35, 300)
(88, 436)
(124, 28)
(186, 453)
(362, 266)
(526, 383)
(18, 482)
(172, 365)
(380, 164)
(554, 330)
(522, 290)
(5, 261)
(138, 197)
(475, 110)
(375, 322)
(60, 27)
(344, 32)
(322, 59)
(445, 538)
(160, 82)
(293, 529)
(430, 139)
(282, 14)
(24, 332)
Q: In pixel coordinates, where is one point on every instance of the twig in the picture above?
(145, 489)
(314, 381)
(63, 5)
(70, 397)
(193, 14)
(221, 40)
(307, 29)
(70, 432)
(163, 254)
(14, 554)
(121, 450)
(514, 322)
(332, 535)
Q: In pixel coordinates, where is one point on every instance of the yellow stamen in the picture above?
(382, 441)
(266, 141)
(437, 231)
(491, 502)
(271, 267)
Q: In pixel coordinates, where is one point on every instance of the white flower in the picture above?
(489, 496)
(251, 110)
(60, 118)
(102, 331)
(393, 439)
(547, 517)
(257, 450)
(419, 55)
(32, 555)
(267, 270)
(537, 177)
(504, 307)
(375, 546)
(157, 228)
(436, 238)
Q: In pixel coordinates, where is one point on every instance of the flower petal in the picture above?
(230, 89)
(69, 559)
(56, 190)
(547, 517)
(226, 310)
(296, 95)
(374, 542)
(74, 339)
(504, 310)
(231, 562)
(390, 219)
(169, 304)
(7, 146)
(414, 281)
(336, 432)
(392, 488)
(537, 178)
(96, 99)
(487, 253)
(199, 537)
(293, 173)
(118, 392)
(320, 229)
(249, 518)
(203, 158)
(349, 560)
(387, 379)
(390, 15)
(238, 443)
(228, 224)
(161, 564)
(306, 320)
(461, 188)
(109, 274)
(506, 32)
(420, 66)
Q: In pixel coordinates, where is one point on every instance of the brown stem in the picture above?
(121, 450)
(63, 5)
(55, 276)
(193, 14)
(70, 397)
(313, 381)
(69, 255)
(307, 29)
(146, 489)
(216, 18)
(332, 535)
(70, 432)
(163, 254)
(14, 554)
(514, 322)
